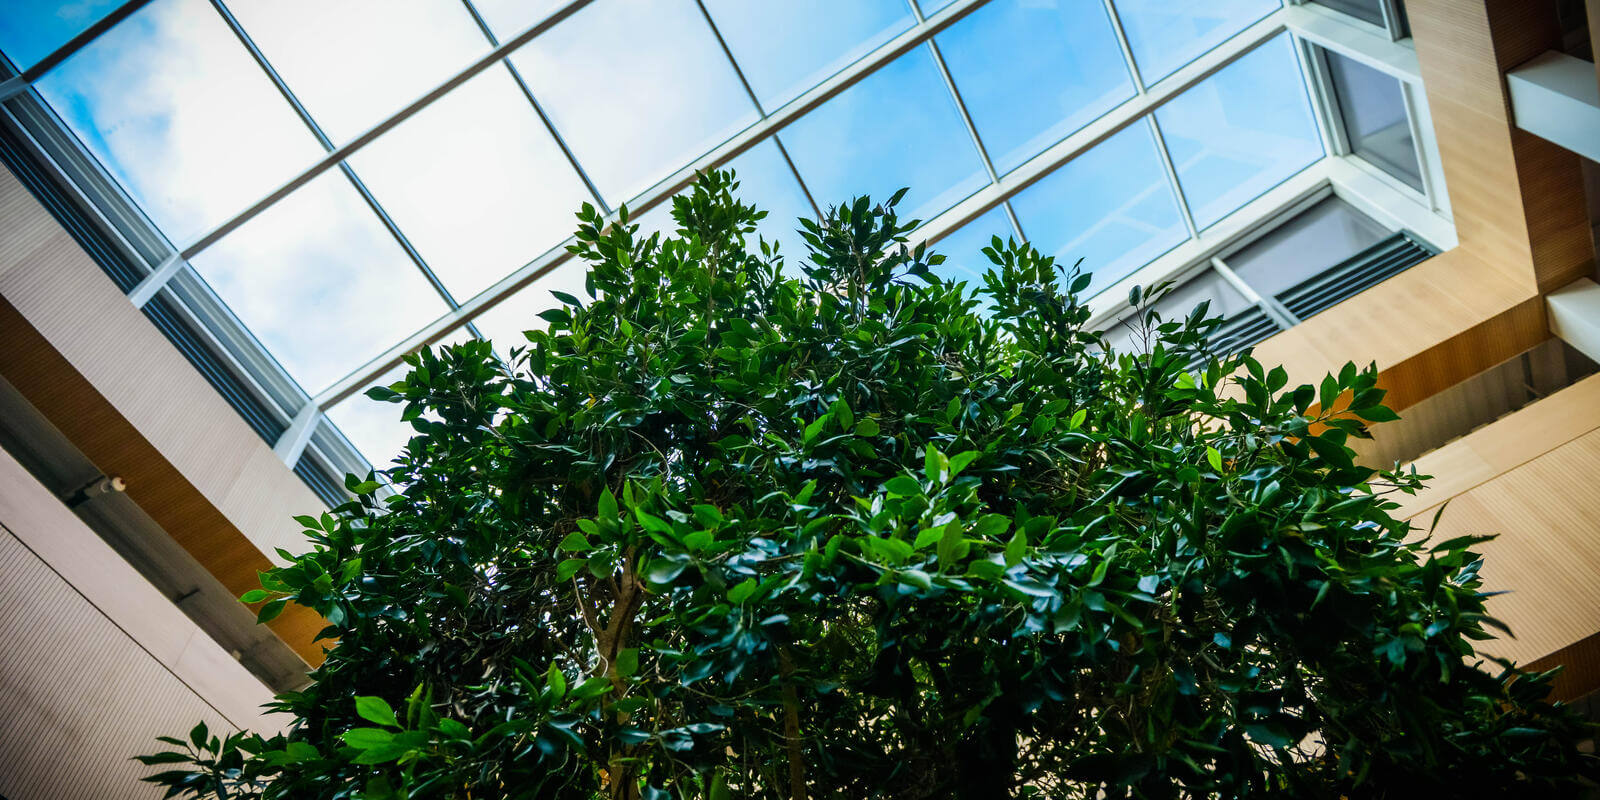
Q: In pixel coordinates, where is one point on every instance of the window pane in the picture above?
(1129, 336)
(361, 60)
(1063, 69)
(1241, 131)
(1111, 206)
(507, 18)
(174, 107)
(1369, 10)
(476, 182)
(637, 90)
(375, 427)
(897, 128)
(786, 48)
(320, 282)
(1166, 34)
(766, 182)
(1305, 245)
(963, 250)
(504, 323)
(33, 29)
(1373, 108)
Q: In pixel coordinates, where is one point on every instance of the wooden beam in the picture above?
(113, 444)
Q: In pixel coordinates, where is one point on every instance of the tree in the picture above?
(717, 532)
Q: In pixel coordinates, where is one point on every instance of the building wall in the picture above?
(96, 662)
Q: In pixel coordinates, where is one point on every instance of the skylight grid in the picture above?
(533, 108)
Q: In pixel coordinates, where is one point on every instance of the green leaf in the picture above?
(367, 738)
(628, 662)
(376, 709)
(867, 427)
(1214, 458)
(575, 542)
(903, 485)
(271, 610)
(254, 596)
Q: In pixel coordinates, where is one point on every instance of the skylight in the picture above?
(450, 222)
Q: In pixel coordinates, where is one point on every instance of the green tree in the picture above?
(717, 531)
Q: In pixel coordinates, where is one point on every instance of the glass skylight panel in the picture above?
(33, 29)
(1112, 206)
(963, 249)
(476, 183)
(1308, 243)
(504, 324)
(1166, 34)
(375, 427)
(766, 182)
(637, 90)
(507, 18)
(320, 282)
(174, 107)
(1241, 131)
(897, 128)
(785, 48)
(361, 60)
(1372, 106)
(1062, 68)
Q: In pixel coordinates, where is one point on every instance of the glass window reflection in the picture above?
(176, 110)
(1112, 206)
(320, 282)
(1063, 68)
(1305, 245)
(476, 182)
(1241, 131)
(784, 49)
(897, 128)
(638, 90)
(1166, 34)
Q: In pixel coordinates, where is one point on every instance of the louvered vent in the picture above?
(1367, 268)
(321, 480)
(1242, 330)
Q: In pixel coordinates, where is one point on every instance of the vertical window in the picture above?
(1372, 108)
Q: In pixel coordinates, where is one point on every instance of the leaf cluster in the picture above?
(724, 528)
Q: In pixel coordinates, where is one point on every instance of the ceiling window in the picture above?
(1372, 112)
(1241, 131)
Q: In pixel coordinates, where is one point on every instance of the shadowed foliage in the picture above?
(723, 528)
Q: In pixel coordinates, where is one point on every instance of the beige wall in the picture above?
(96, 662)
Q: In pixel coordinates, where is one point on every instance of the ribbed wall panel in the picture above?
(78, 697)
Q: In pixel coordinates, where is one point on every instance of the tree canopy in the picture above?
(728, 528)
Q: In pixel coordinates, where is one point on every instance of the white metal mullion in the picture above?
(1391, 20)
(1016, 224)
(1270, 305)
(800, 181)
(1318, 79)
(154, 282)
(1122, 42)
(292, 442)
(1172, 175)
(1414, 125)
(549, 125)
